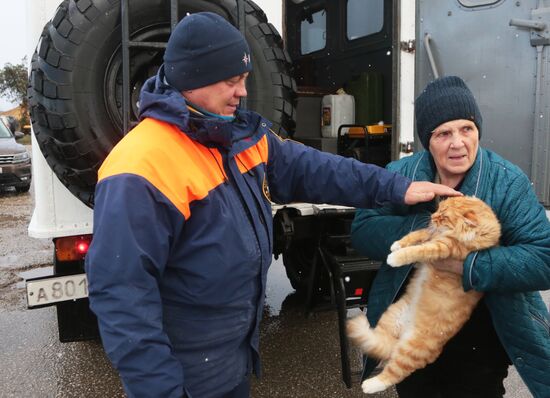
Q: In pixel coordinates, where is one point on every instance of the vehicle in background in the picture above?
(15, 162)
(11, 122)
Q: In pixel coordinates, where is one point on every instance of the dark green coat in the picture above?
(510, 275)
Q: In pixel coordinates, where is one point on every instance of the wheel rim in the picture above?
(144, 63)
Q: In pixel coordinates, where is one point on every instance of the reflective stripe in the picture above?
(180, 168)
(253, 156)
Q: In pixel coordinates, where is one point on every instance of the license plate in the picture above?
(55, 289)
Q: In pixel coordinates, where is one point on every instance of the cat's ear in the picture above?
(470, 218)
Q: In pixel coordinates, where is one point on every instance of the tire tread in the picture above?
(72, 145)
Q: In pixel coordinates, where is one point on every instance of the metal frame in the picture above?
(127, 44)
(337, 260)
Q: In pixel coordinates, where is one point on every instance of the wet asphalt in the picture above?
(300, 354)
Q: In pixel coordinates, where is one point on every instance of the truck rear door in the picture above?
(500, 48)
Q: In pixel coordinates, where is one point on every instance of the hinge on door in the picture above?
(539, 25)
(408, 46)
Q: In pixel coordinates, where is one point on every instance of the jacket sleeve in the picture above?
(522, 261)
(128, 254)
(374, 230)
(298, 173)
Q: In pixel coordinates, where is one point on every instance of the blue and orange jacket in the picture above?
(183, 239)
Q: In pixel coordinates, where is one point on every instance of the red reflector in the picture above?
(82, 247)
(359, 291)
(72, 248)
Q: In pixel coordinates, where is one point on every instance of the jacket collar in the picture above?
(160, 101)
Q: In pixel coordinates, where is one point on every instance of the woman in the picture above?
(511, 323)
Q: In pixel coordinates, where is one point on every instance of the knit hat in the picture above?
(444, 99)
(204, 49)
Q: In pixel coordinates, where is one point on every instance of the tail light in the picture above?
(72, 248)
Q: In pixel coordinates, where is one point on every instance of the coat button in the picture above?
(519, 362)
(263, 124)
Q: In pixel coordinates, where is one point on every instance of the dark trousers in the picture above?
(241, 391)
(454, 381)
(473, 364)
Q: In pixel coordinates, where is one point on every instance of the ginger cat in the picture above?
(412, 332)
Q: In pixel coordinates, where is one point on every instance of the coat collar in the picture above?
(160, 101)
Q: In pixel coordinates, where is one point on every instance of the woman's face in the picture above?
(453, 146)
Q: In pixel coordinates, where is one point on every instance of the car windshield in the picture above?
(4, 131)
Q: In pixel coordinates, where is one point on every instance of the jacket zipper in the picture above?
(233, 181)
(258, 204)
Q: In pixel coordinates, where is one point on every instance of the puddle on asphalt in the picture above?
(33, 273)
(278, 287)
(26, 259)
(8, 261)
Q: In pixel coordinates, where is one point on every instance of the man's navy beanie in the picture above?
(203, 49)
(445, 99)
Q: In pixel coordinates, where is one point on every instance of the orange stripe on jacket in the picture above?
(182, 169)
(253, 156)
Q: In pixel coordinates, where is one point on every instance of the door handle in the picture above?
(527, 23)
(427, 45)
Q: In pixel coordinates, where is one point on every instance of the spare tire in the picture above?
(75, 84)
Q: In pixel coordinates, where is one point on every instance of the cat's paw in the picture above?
(399, 258)
(393, 260)
(373, 385)
(395, 246)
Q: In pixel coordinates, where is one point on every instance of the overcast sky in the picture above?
(12, 36)
(13, 31)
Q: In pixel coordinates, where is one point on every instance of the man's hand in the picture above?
(424, 191)
(449, 265)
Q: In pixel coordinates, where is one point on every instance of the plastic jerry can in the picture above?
(336, 109)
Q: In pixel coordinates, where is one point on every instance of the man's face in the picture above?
(453, 146)
(222, 97)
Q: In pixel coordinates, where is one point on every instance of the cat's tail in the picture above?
(409, 355)
(376, 343)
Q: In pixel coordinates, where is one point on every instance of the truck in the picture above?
(90, 59)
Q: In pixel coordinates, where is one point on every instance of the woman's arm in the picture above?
(522, 262)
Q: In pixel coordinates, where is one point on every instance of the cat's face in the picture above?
(468, 216)
(453, 146)
(450, 212)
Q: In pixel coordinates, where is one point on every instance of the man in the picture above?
(182, 219)
(511, 322)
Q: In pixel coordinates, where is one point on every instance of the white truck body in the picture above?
(57, 212)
